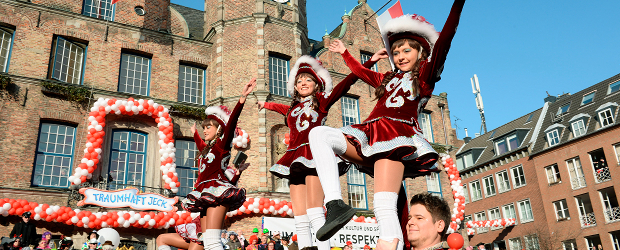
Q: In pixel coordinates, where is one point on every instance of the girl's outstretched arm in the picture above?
(277, 107)
(229, 131)
(200, 144)
(367, 75)
(345, 85)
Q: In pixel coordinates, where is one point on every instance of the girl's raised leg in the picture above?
(314, 202)
(302, 223)
(388, 180)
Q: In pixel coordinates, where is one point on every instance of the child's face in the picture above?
(305, 86)
(405, 57)
(210, 131)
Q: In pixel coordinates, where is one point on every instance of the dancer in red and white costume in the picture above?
(310, 85)
(389, 141)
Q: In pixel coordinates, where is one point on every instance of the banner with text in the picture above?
(127, 198)
(359, 234)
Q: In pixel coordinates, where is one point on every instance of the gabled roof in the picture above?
(486, 141)
(194, 18)
(577, 111)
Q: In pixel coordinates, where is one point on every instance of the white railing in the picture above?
(587, 220)
(603, 175)
(482, 229)
(578, 182)
(612, 214)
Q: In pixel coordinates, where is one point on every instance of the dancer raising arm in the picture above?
(390, 138)
(310, 85)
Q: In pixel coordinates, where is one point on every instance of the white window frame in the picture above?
(570, 244)
(191, 84)
(466, 194)
(6, 45)
(54, 155)
(555, 177)
(513, 243)
(591, 100)
(132, 78)
(68, 59)
(278, 75)
(93, 8)
(521, 175)
(356, 184)
(577, 176)
(433, 184)
(561, 210)
(506, 140)
(579, 128)
(560, 112)
(510, 212)
(524, 218)
(531, 242)
(617, 151)
(475, 196)
(481, 216)
(364, 56)
(186, 153)
(350, 110)
(606, 120)
(503, 181)
(553, 137)
(426, 124)
(616, 85)
(495, 214)
(489, 186)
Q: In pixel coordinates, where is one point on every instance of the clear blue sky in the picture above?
(518, 49)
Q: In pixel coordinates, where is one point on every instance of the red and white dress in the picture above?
(190, 232)
(212, 187)
(298, 160)
(392, 131)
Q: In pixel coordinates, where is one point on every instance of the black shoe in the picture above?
(338, 214)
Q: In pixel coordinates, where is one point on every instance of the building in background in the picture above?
(554, 170)
(58, 53)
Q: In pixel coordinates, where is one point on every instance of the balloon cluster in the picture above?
(471, 231)
(491, 223)
(242, 140)
(363, 219)
(287, 138)
(96, 119)
(89, 219)
(457, 191)
(264, 206)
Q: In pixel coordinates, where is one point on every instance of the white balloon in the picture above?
(6, 206)
(77, 182)
(271, 209)
(85, 220)
(244, 140)
(174, 190)
(126, 224)
(74, 219)
(147, 217)
(152, 222)
(256, 210)
(120, 220)
(104, 224)
(251, 207)
(242, 209)
(141, 221)
(98, 127)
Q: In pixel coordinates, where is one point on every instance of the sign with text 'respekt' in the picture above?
(127, 198)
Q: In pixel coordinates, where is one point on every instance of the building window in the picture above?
(588, 98)
(186, 170)
(127, 159)
(529, 118)
(489, 186)
(563, 109)
(553, 137)
(466, 194)
(572, 245)
(357, 189)
(606, 117)
(426, 125)
(135, 74)
(494, 215)
(278, 75)
(365, 57)
(617, 150)
(575, 171)
(525, 211)
(561, 210)
(579, 128)
(191, 84)
(553, 174)
(6, 43)
(613, 88)
(433, 184)
(503, 182)
(350, 111)
(68, 60)
(476, 192)
(465, 161)
(481, 216)
(506, 144)
(509, 212)
(54, 155)
(531, 242)
(615, 240)
(102, 9)
(515, 243)
(518, 177)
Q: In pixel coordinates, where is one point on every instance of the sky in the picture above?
(520, 50)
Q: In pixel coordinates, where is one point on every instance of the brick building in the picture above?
(175, 56)
(550, 164)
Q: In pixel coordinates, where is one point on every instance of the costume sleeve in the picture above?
(229, 131)
(367, 75)
(431, 72)
(280, 108)
(342, 88)
(200, 144)
(14, 231)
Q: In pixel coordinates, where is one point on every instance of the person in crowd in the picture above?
(284, 243)
(16, 244)
(367, 247)
(93, 244)
(92, 236)
(389, 144)
(66, 243)
(255, 233)
(253, 243)
(429, 219)
(47, 237)
(480, 246)
(271, 245)
(293, 244)
(242, 239)
(42, 245)
(264, 240)
(233, 242)
(277, 240)
(26, 230)
(224, 239)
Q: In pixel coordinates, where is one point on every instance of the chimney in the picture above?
(467, 138)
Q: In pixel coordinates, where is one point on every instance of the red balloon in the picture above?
(126, 216)
(91, 224)
(455, 241)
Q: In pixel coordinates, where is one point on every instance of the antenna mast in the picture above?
(475, 86)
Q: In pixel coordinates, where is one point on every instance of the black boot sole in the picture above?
(330, 228)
